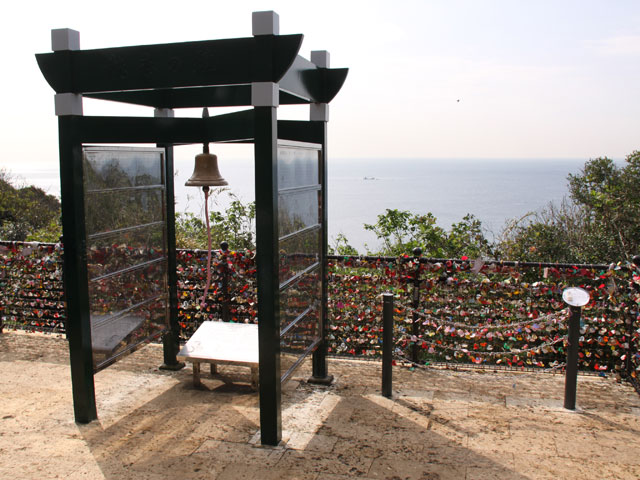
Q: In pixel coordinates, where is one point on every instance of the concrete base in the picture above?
(328, 380)
(174, 367)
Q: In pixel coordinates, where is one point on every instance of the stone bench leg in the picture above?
(254, 377)
(214, 368)
(196, 374)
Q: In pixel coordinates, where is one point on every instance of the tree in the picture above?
(597, 223)
(401, 231)
(235, 226)
(341, 246)
(27, 213)
(610, 196)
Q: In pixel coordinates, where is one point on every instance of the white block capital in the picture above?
(265, 23)
(320, 58)
(68, 104)
(163, 113)
(319, 112)
(265, 94)
(65, 39)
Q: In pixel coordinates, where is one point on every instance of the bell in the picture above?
(205, 172)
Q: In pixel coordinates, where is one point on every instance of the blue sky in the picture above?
(535, 79)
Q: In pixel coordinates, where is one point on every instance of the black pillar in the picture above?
(171, 338)
(75, 276)
(320, 374)
(266, 182)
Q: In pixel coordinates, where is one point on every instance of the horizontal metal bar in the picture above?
(295, 278)
(309, 349)
(124, 230)
(294, 322)
(121, 189)
(130, 349)
(132, 268)
(121, 313)
(297, 233)
(306, 188)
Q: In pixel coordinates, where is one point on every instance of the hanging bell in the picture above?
(205, 172)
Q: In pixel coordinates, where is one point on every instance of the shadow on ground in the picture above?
(190, 433)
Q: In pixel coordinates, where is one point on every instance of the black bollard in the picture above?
(415, 329)
(387, 344)
(571, 372)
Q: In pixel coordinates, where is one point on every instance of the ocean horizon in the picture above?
(494, 190)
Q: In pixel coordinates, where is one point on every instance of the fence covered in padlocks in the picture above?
(454, 311)
(485, 312)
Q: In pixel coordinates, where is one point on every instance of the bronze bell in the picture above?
(205, 172)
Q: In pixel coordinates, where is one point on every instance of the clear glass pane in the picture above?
(297, 167)
(119, 168)
(299, 253)
(111, 295)
(113, 335)
(298, 210)
(297, 340)
(298, 297)
(110, 253)
(107, 211)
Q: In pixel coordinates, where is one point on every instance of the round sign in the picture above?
(576, 297)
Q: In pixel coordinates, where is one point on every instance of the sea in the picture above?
(494, 190)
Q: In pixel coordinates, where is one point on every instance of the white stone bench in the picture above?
(222, 343)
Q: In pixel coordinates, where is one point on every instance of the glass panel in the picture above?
(108, 296)
(110, 253)
(113, 335)
(299, 253)
(126, 247)
(107, 211)
(296, 341)
(297, 210)
(118, 168)
(297, 167)
(295, 299)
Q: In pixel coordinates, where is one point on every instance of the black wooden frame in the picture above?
(193, 74)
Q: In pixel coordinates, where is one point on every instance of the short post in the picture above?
(575, 298)
(224, 248)
(387, 343)
(571, 373)
(415, 303)
(630, 319)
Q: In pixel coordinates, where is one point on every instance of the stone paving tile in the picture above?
(449, 431)
(439, 424)
(234, 471)
(512, 401)
(225, 452)
(366, 447)
(311, 442)
(333, 476)
(542, 467)
(398, 469)
(191, 467)
(496, 467)
(342, 464)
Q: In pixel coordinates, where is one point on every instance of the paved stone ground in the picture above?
(441, 424)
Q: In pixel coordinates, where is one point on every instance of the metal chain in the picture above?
(544, 320)
(485, 353)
